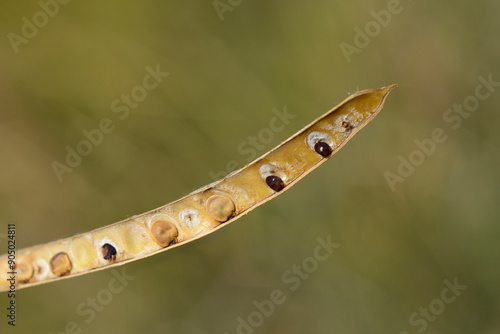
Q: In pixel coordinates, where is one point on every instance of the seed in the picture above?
(275, 183)
(109, 252)
(323, 149)
(163, 232)
(60, 264)
(220, 208)
(24, 271)
(346, 125)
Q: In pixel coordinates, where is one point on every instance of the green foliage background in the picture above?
(225, 78)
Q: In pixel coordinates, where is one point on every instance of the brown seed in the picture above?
(24, 271)
(323, 149)
(346, 125)
(163, 232)
(60, 264)
(220, 208)
(109, 252)
(275, 182)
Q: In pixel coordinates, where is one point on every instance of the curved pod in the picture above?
(202, 211)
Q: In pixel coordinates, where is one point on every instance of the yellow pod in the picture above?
(204, 210)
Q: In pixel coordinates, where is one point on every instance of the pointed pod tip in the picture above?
(389, 88)
(384, 91)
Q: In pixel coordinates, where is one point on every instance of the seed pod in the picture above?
(206, 209)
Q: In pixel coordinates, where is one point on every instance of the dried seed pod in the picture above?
(194, 216)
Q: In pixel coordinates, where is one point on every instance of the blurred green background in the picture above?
(226, 76)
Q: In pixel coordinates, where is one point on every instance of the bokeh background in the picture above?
(226, 76)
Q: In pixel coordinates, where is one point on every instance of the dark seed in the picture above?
(275, 183)
(346, 125)
(108, 252)
(323, 149)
